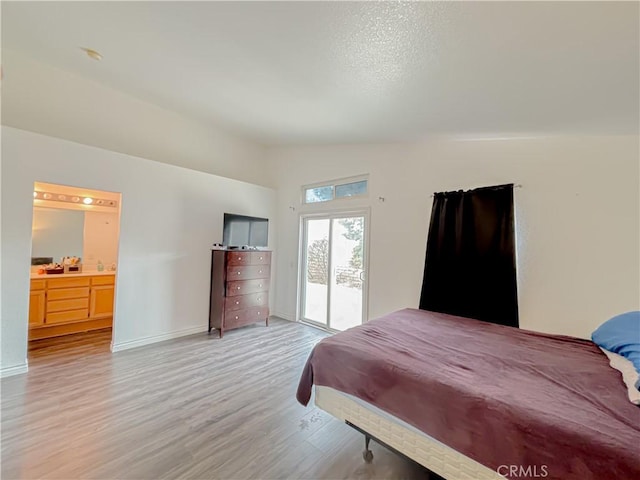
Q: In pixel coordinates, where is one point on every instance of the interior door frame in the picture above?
(116, 273)
(331, 214)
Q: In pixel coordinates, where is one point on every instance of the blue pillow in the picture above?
(621, 335)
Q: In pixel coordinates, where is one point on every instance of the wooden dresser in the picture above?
(70, 304)
(239, 288)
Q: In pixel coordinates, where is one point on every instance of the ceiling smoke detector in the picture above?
(92, 53)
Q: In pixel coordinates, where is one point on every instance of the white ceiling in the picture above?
(333, 72)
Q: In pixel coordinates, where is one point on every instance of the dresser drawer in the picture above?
(239, 258)
(239, 272)
(260, 258)
(68, 282)
(240, 302)
(71, 304)
(245, 287)
(245, 317)
(65, 293)
(69, 316)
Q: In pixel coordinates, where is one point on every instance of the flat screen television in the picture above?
(243, 231)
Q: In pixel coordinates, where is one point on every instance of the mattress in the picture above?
(408, 440)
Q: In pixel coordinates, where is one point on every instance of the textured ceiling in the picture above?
(332, 72)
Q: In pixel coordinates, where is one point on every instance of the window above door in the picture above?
(336, 190)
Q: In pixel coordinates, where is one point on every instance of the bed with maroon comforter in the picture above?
(499, 395)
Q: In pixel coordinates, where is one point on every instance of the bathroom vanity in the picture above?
(70, 303)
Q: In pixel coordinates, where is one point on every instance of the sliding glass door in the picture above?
(333, 270)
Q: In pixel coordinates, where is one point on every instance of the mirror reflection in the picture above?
(57, 233)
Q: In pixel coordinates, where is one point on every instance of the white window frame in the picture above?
(334, 184)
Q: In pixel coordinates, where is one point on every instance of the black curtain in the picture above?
(470, 269)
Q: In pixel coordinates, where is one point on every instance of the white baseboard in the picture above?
(284, 316)
(17, 370)
(117, 347)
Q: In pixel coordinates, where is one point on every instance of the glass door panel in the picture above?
(347, 272)
(315, 293)
(333, 276)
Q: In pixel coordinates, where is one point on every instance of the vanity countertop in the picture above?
(86, 273)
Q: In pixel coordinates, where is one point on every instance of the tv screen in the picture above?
(240, 231)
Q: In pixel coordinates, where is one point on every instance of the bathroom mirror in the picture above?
(57, 233)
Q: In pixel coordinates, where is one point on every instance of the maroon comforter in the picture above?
(499, 395)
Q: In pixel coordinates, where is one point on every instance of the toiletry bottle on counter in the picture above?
(100, 266)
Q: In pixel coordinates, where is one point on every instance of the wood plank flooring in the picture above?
(196, 407)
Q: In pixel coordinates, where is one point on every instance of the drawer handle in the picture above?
(259, 299)
(259, 271)
(258, 313)
(237, 288)
(237, 303)
(260, 258)
(260, 286)
(236, 317)
(239, 258)
(238, 273)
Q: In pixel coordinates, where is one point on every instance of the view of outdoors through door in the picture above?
(333, 277)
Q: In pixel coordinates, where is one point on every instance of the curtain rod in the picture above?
(515, 186)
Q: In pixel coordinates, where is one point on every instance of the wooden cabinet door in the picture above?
(101, 302)
(36, 307)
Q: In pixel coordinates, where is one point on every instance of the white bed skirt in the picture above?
(406, 439)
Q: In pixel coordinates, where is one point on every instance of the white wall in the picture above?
(170, 216)
(578, 219)
(45, 99)
(100, 239)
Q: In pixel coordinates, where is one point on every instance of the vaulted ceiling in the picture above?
(332, 72)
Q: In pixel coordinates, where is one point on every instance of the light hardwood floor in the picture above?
(196, 407)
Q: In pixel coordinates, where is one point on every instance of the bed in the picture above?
(475, 400)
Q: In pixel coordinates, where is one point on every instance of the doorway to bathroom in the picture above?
(74, 264)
